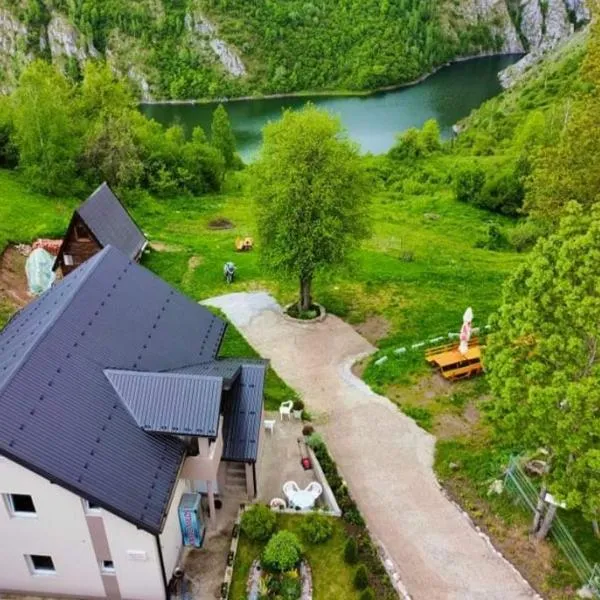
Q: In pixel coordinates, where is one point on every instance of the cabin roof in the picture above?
(110, 223)
(62, 418)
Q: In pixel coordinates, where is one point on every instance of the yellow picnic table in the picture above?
(454, 365)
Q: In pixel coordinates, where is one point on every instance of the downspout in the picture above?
(254, 478)
(162, 567)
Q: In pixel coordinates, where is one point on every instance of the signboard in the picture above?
(192, 529)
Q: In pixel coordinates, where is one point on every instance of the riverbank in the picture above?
(333, 93)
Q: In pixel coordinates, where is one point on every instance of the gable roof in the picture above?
(62, 419)
(226, 368)
(110, 223)
(243, 414)
(170, 402)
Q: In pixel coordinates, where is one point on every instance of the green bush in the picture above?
(361, 578)
(367, 594)
(351, 552)
(316, 528)
(468, 184)
(524, 236)
(282, 553)
(258, 522)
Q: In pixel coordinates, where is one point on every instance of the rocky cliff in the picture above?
(543, 25)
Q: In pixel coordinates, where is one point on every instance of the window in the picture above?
(20, 505)
(81, 232)
(68, 260)
(40, 564)
(90, 506)
(107, 566)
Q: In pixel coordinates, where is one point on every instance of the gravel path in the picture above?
(383, 455)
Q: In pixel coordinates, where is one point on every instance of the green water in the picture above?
(373, 121)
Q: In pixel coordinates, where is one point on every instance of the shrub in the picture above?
(282, 553)
(361, 578)
(258, 522)
(315, 441)
(469, 184)
(525, 235)
(493, 238)
(308, 430)
(367, 594)
(351, 551)
(298, 404)
(316, 528)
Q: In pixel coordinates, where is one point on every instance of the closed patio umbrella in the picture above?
(465, 332)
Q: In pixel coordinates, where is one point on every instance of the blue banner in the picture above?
(192, 529)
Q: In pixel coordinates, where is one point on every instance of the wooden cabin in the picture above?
(100, 221)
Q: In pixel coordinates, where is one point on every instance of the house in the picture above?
(99, 222)
(113, 405)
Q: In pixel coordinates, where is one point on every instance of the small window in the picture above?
(81, 232)
(68, 260)
(20, 505)
(91, 507)
(107, 566)
(40, 564)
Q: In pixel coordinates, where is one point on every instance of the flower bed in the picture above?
(354, 523)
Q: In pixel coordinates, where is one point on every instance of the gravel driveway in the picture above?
(383, 455)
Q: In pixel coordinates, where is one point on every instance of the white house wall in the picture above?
(135, 556)
(59, 530)
(170, 539)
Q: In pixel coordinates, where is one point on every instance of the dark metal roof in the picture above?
(170, 402)
(110, 223)
(60, 416)
(243, 414)
(227, 368)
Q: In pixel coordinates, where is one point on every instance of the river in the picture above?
(373, 121)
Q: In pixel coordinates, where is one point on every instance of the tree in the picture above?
(45, 128)
(222, 137)
(542, 361)
(311, 192)
(568, 169)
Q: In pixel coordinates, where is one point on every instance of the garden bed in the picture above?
(315, 314)
(332, 577)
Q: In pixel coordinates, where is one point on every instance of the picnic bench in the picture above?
(453, 365)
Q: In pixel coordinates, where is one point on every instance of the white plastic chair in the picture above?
(289, 489)
(278, 503)
(270, 425)
(285, 408)
(315, 489)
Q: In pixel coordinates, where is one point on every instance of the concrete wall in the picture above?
(205, 466)
(59, 530)
(77, 542)
(135, 556)
(171, 540)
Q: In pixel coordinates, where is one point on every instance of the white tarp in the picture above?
(40, 275)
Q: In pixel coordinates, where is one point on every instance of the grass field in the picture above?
(332, 577)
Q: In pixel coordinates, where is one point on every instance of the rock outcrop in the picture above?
(544, 25)
(229, 58)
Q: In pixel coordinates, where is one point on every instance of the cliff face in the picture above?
(544, 24)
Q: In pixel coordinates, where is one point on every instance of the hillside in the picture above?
(215, 48)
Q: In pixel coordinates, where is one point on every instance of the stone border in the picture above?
(235, 538)
(322, 316)
(306, 592)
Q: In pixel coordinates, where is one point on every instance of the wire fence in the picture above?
(520, 485)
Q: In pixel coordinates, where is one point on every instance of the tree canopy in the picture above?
(222, 137)
(543, 360)
(311, 192)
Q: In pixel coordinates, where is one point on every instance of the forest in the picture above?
(287, 46)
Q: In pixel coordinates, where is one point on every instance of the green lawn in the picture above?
(332, 577)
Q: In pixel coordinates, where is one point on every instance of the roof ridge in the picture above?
(157, 374)
(46, 328)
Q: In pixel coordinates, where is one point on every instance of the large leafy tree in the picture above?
(543, 360)
(46, 128)
(311, 193)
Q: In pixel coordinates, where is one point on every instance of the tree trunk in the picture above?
(305, 289)
(596, 528)
(539, 510)
(547, 522)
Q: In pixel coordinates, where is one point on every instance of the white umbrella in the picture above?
(465, 332)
